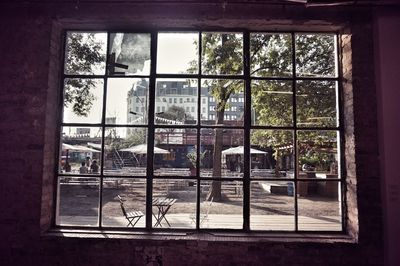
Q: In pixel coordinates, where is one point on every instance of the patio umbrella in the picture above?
(75, 148)
(240, 150)
(142, 149)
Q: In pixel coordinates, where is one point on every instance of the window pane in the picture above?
(83, 99)
(168, 92)
(319, 206)
(222, 53)
(133, 194)
(174, 152)
(174, 203)
(270, 55)
(125, 151)
(272, 206)
(272, 103)
(316, 55)
(223, 105)
(317, 103)
(85, 53)
(178, 53)
(226, 209)
(80, 150)
(318, 153)
(126, 98)
(129, 54)
(222, 152)
(272, 153)
(78, 203)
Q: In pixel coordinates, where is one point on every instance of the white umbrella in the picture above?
(240, 150)
(77, 148)
(142, 149)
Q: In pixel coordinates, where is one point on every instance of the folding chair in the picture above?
(133, 217)
(203, 215)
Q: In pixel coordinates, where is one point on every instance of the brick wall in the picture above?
(29, 92)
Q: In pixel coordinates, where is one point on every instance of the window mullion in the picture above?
(150, 131)
(247, 127)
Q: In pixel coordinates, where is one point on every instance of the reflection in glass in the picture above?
(270, 55)
(177, 53)
(175, 199)
(272, 206)
(317, 103)
(133, 193)
(129, 54)
(272, 103)
(325, 195)
(85, 53)
(127, 100)
(272, 153)
(78, 203)
(316, 55)
(221, 152)
(224, 213)
(80, 150)
(83, 99)
(318, 153)
(222, 53)
(176, 101)
(125, 151)
(223, 102)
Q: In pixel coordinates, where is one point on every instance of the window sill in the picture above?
(205, 236)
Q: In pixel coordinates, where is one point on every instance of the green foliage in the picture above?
(83, 56)
(175, 113)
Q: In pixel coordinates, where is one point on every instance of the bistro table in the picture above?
(163, 205)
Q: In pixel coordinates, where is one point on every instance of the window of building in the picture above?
(276, 168)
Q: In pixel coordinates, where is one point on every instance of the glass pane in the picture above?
(270, 55)
(226, 209)
(272, 206)
(127, 100)
(85, 53)
(272, 103)
(83, 100)
(80, 150)
(222, 53)
(318, 153)
(272, 153)
(316, 55)
(133, 195)
(319, 206)
(317, 103)
(222, 152)
(174, 203)
(176, 101)
(125, 151)
(178, 53)
(78, 201)
(223, 102)
(129, 54)
(174, 152)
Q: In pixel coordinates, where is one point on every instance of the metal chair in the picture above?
(203, 215)
(133, 217)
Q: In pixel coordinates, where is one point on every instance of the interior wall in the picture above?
(387, 47)
(30, 46)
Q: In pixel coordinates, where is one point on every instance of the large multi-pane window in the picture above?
(254, 146)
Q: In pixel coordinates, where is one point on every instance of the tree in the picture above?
(271, 56)
(85, 56)
(315, 100)
(222, 54)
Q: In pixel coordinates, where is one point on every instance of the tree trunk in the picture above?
(215, 188)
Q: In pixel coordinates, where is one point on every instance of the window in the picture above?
(273, 165)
